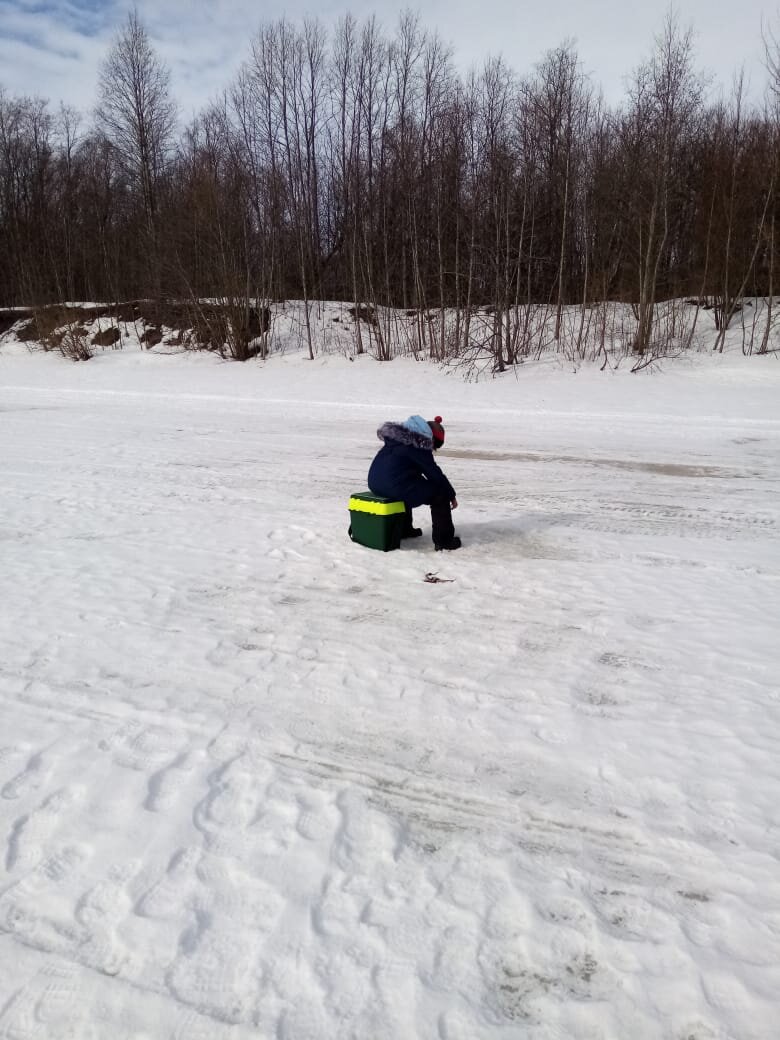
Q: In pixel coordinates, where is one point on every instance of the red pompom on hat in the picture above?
(437, 431)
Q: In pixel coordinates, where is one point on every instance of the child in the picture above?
(404, 469)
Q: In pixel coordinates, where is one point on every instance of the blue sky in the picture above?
(54, 49)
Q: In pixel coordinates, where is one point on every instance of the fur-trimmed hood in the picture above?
(414, 431)
(404, 469)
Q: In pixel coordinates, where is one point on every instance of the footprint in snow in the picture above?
(29, 834)
(319, 817)
(28, 779)
(167, 897)
(165, 786)
(216, 970)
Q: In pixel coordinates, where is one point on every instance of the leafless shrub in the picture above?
(74, 343)
(670, 334)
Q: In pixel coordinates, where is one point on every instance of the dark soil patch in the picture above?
(106, 337)
(363, 313)
(209, 326)
(152, 336)
(9, 318)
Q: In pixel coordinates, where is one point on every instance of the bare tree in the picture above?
(666, 97)
(137, 115)
(67, 126)
(26, 171)
(772, 118)
(363, 168)
(558, 101)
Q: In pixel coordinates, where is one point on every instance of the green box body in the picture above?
(376, 522)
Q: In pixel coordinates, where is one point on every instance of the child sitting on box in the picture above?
(405, 470)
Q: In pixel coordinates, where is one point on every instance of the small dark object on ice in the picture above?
(431, 577)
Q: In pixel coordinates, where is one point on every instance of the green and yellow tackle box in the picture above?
(376, 522)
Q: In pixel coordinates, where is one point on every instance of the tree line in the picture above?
(360, 166)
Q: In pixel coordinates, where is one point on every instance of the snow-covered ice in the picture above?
(257, 781)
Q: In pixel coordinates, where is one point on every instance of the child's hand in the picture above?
(454, 503)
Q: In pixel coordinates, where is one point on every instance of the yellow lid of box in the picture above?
(362, 505)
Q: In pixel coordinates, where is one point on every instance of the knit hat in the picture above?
(437, 431)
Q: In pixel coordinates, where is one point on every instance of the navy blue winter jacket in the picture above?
(404, 469)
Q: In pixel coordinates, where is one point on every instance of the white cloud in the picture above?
(55, 50)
